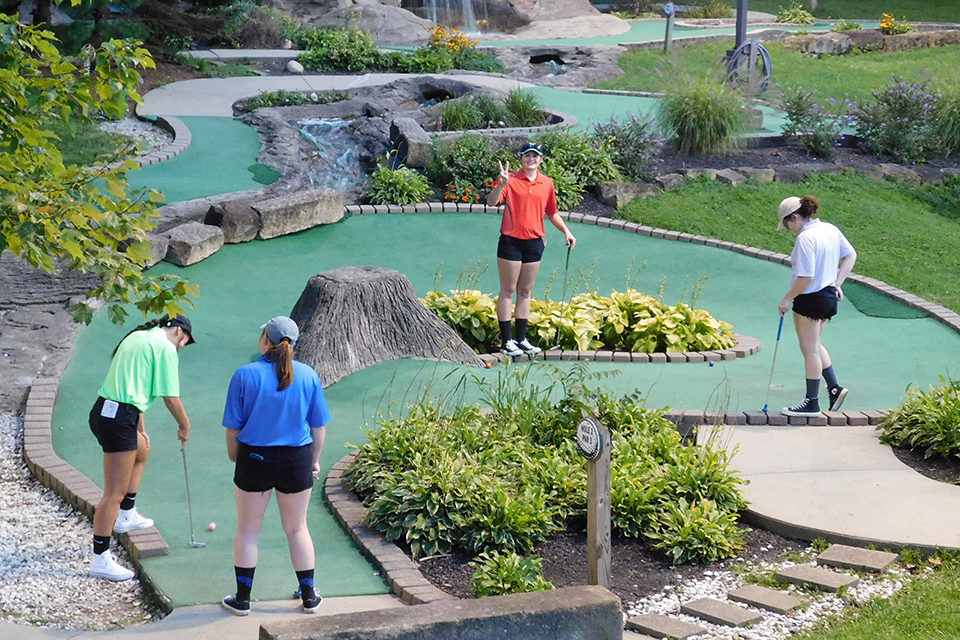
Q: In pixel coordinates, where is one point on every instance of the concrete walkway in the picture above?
(842, 484)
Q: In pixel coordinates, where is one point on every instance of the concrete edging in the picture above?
(182, 139)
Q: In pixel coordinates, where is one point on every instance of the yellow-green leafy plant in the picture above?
(890, 26)
(497, 574)
(472, 313)
(795, 14)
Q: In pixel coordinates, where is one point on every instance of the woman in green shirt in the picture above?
(145, 366)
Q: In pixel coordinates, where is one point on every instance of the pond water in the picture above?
(337, 163)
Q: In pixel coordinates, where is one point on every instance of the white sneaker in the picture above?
(512, 349)
(103, 566)
(130, 519)
(528, 348)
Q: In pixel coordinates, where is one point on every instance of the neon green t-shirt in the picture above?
(145, 367)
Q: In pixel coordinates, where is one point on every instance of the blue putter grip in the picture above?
(780, 329)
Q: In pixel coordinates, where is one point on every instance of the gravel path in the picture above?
(44, 555)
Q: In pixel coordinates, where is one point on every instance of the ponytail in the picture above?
(281, 354)
(809, 206)
(146, 326)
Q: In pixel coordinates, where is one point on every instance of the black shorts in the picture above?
(286, 469)
(116, 434)
(516, 250)
(819, 305)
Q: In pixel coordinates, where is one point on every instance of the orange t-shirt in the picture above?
(527, 203)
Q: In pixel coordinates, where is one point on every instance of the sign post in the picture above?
(593, 440)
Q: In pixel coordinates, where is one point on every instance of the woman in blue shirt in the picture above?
(275, 417)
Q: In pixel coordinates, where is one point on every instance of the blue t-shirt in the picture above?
(266, 417)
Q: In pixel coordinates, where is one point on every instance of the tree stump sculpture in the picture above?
(355, 317)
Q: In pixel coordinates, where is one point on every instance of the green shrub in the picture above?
(458, 115)
(813, 125)
(628, 321)
(947, 117)
(336, 49)
(400, 186)
(703, 113)
(899, 122)
(569, 190)
(284, 98)
(253, 27)
(587, 159)
(928, 420)
(492, 113)
(468, 158)
(709, 10)
(426, 60)
(524, 109)
(497, 574)
(795, 14)
(444, 479)
(845, 25)
(891, 26)
(635, 145)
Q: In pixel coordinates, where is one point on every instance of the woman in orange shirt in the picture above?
(529, 196)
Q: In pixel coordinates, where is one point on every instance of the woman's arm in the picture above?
(561, 225)
(799, 286)
(319, 435)
(232, 445)
(846, 267)
(175, 407)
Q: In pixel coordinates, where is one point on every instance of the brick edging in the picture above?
(68, 482)
(182, 139)
(400, 572)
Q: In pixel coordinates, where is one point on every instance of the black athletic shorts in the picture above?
(516, 250)
(820, 305)
(286, 469)
(116, 434)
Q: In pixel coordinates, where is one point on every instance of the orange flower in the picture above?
(466, 199)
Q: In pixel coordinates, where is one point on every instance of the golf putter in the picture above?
(566, 270)
(193, 543)
(775, 349)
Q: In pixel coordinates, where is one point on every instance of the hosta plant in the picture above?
(497, 574)
(927, 420)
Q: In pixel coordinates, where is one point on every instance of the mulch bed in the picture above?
(939, 468)
(638, 571)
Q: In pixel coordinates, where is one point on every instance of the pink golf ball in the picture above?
(211, 526)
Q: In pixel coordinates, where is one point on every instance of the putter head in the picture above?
(197, 545)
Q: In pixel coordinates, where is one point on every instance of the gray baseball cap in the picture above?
(281, 327)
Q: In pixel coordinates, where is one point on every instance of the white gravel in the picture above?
(716, 585)
(151, 136)
(44, 555)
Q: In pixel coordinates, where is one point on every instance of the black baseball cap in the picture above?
(535, 147)
(181, 321)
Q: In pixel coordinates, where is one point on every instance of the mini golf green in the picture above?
(244, 285)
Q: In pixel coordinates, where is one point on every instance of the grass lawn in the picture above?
(914, 10)
(925, 609)
(858, 76)
(85, 142)
(905, 235)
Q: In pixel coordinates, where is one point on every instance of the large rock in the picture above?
(562, 65)
(389, 25)
(192, 242)
(239, 221)
(866, 39)
(618, 194)
(158, 248)
(412, 143)
(837, 44)
(298, 212)
(905, 42)
(352, 318)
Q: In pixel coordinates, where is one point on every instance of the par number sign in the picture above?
(589, 440)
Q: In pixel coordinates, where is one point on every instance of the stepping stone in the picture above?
(658, 626)
(846, 557)
(720, 612)
(633, 635)
(763, 598)
(805, 575)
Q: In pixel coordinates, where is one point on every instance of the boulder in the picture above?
(389, 25)
(192, 242)
(899, 171)
(789, 173)
(866, 39)
(757, 175)
(944, 37)
(239, 221)
(731, 177)
(905, 42)
(294, 67)
(837, 44)
(158, 248)
(412, 143)
(670, 181)
(352, 318)
(693, 174)
(298, 211)
(618, 194)
(561, 65)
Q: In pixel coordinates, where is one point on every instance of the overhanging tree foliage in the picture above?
(84, 218)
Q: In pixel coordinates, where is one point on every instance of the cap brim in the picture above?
(189, 335)
(780, 226)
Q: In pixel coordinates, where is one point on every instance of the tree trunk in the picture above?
(101, 12)
(813, 5)
(10, 7)
(354, 317)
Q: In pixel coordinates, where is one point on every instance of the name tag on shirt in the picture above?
(109, 409)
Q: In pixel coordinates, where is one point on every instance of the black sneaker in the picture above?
(837, 395)
(236, 607)
(810, 407)
(310, 605)
(528, 348)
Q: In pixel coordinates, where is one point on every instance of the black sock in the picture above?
(100, 544)
(128, 501)
(306, 584)
(830, 377)
(504, 331)
(244, 582)
(813, 388)
(522, 329)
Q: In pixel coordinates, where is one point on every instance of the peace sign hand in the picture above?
(504, 171)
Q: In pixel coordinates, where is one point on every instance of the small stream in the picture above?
(337, 164)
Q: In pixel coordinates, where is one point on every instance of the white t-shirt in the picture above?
(817, 254)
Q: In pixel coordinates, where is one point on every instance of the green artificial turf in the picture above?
(904, 235)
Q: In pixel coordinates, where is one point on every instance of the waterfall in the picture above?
(455, 13)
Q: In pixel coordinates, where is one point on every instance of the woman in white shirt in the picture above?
(822, 259)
